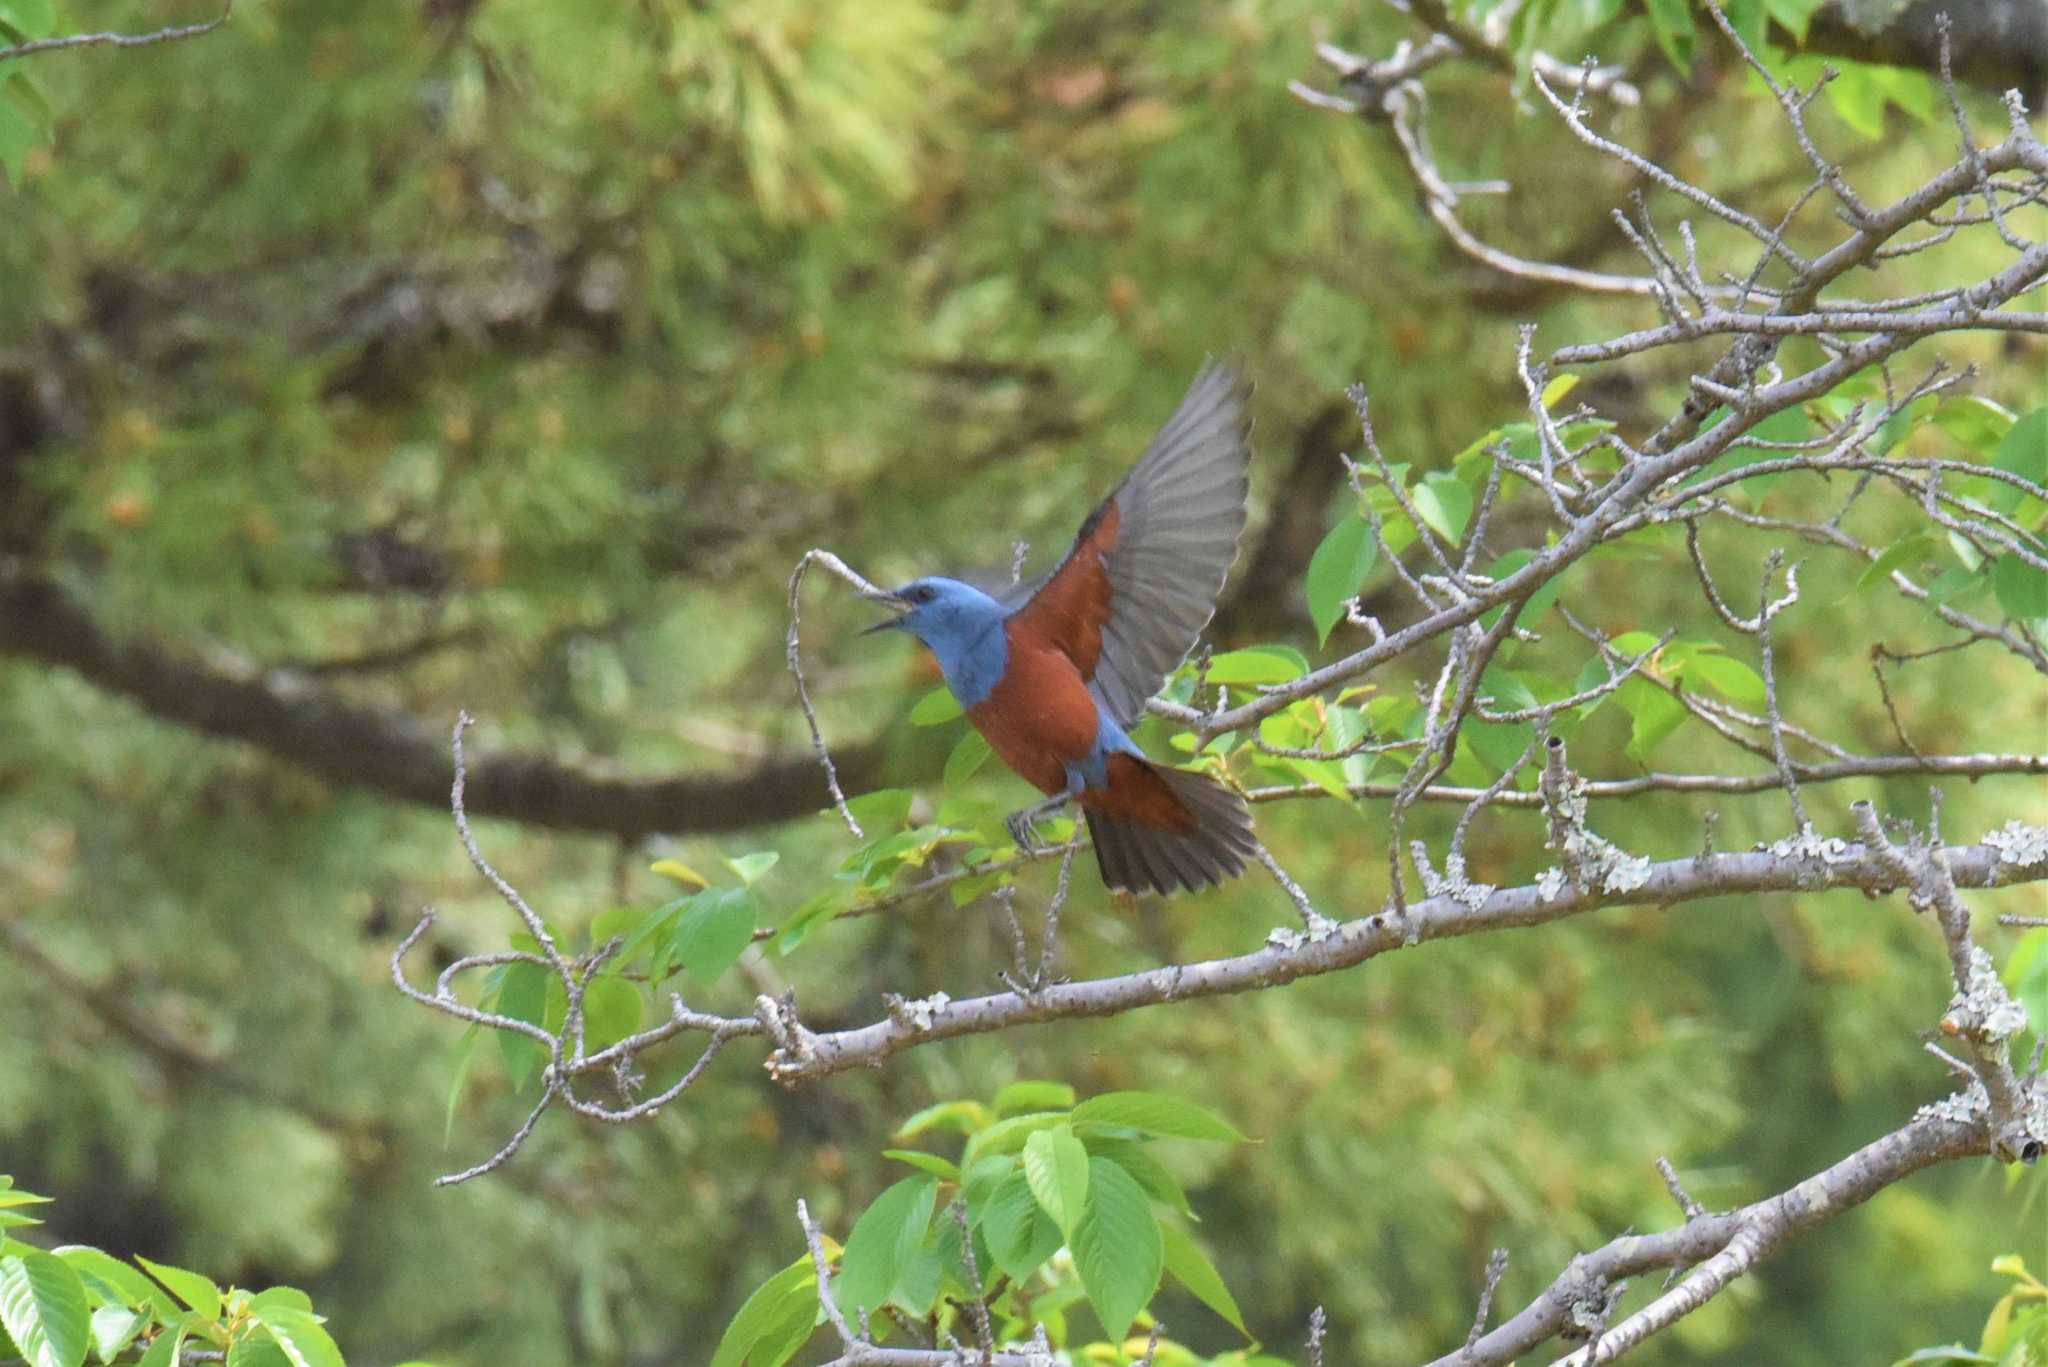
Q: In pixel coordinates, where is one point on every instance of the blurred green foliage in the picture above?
(558, 332)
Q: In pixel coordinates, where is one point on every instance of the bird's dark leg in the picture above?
(1020, 823)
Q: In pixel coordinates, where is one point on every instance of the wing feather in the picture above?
(1132, 596)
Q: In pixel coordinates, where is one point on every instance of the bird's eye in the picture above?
(921, 594)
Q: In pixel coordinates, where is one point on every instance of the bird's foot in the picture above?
(1023, 830)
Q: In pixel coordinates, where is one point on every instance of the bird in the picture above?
(1055, 672)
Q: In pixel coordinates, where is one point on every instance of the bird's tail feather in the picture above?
(1140, 856)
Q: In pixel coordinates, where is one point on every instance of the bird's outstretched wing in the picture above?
(1142, 578)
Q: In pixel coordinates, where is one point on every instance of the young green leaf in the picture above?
(196, 1291)
(1151, 1113)
(1258, 665)
(299, 1334)
(1135, 1158)
(612, 1010)
(680, 872)
(1056, 1166)
(113, 1327)
(113, 1282)
(1337, 571)
(885, 809)
(1445, 504)
(714, 931)
(938, 1167)
(2023, 451)
(963, 1116)
(749, 868)
(1033, 1096)
(1191, 1268)
(257, 1349)
(885, 1234)
(761, 1325)
(1729, 677)
(970, 752)
(1653, 714)
(1021, 1236)
(523, 995)
(2022, 590)
(42, 1304)
(1118, 1250)
(935, 708)
(166, 1350)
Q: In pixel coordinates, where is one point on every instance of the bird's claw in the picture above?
(1023, 833)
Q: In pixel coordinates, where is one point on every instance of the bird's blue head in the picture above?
(963, 627)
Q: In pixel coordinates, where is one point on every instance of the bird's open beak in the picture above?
(896, 604)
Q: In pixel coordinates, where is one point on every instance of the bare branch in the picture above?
(171, 34)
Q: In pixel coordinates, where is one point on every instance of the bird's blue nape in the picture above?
(964, 628)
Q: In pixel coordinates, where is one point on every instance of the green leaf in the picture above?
(884, 1236)
(166, 1350)
(946, 1244)
(465, 1050)
(749, 868)
(1258, 665)
(941, 1168)
(1033, 1096)
(1191, 1268)
(289, 1296)
(112, 1328)
(42, 1303)
(2022, 590)
(1445, 504)
(2026, 973)
(1337, 571)
(196, 1292)
(1151, 1113)
(963, 1116)
(935, 708)
(764, 1317)
(1021, 1236)
(1653, 713)
(1134, 1158)
(1056, 1166)
(11, 1196)
(1538, 602)
(1499, 745)
(655, 927)
(1671, 22)
(32, 18)
(1976, 423)
(612, 1010)
(523, 995)
(1008, 1134)
(300, 1334)
(917, 1278)
(114, 1282)
(712, 934)
(20, 127)
(969, 754)
(676, 870)
(257, 1349)
(1910, 549)
(1731, 678)
(979, 1182)
(885, 809)
(2023, 451)
(1794, 15)
(1118, 1251)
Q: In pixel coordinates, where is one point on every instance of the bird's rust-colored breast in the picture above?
(1040, 716)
